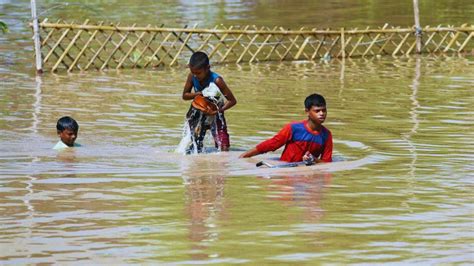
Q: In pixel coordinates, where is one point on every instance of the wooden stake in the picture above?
(36, 38)
(343, 44)
(417, 26)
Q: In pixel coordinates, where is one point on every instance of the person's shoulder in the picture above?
(326, 129)
(215, 76)
(59, 146)
(326, 133)
(297, 123)
(294, 125)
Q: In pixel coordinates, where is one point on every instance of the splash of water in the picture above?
(192, 142)
(186, 140)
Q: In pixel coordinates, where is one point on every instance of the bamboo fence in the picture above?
(71, 46)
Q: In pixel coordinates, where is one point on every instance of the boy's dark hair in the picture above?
(199, 60)
(67, 122)
(314, 100)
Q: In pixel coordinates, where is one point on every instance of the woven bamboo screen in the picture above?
(87, 46)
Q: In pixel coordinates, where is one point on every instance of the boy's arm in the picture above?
(187, 94)
(250, 153)
(326, 156)
(272, 144)
(231, 101)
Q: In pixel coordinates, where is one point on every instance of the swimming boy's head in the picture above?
(199, 65)
(67, 129)
(315, 107)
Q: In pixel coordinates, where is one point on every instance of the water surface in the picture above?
(400, 190)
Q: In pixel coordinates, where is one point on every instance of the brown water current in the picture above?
(399, 191)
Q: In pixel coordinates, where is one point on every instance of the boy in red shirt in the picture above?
(302, 139)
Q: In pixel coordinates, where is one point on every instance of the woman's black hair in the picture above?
(314, 100)
(199, 60)
(67, 122)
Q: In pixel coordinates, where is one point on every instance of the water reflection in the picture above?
(37, 105)
(398, 181)
(302, 191)
(204, 184)
(409, 135)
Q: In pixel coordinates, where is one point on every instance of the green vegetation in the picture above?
(3, 27)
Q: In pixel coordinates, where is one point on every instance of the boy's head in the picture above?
(199, 65)
(67, 129)
(314, 100)
(315, 107)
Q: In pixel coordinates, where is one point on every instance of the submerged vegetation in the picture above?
(3, 27)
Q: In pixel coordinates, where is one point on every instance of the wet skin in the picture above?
(200, 73)
(316, 116)
(68, 137)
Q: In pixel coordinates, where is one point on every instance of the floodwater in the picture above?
(399, 191)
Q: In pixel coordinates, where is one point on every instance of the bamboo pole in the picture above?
(233, 45)
(427, 43)
(465, 42)
(185, 44)
(221, 41)
(357, 43)
(262, 45)
(36, 38)
(56, 45)
(343, 44)
(333, 44)
(416, 11)
(247, 48)
(301, 49)
(236, 31)
(316, 51)
(46, 39)
(86, 45)
(205, 41)
(224, 43)
(274, 48)
(441, 42)
(117, 47)
(101, 48)
(132, 48)
(258, 44)
(387, 41)
(374, 41)
(293, 42)
(66, 51)
(147, 47)
(453, 40)
(157, 50)
(400, 44)
(162, 47)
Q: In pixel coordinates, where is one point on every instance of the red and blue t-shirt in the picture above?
(298, 138)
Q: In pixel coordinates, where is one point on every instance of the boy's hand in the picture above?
(308, 158)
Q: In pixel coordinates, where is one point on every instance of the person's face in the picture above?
(317, 114)
(200, 73)
(68, 137)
